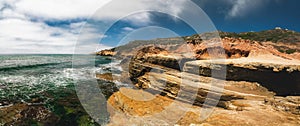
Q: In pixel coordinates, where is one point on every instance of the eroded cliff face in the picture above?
(281, 76)
(252, 81)
(107, 52)
(244, 98)
(141, 62)
(232, 48)
(283, 79)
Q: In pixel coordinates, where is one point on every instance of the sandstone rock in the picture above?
(289, 104)
(127, 110)
(153, 55)
(126, 101)
(107, 52)
(105, 76)
(242, 99)
(283, 82)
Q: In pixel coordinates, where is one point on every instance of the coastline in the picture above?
(246, 94)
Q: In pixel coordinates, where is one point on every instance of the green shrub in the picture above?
(280, 50)
(290, 51)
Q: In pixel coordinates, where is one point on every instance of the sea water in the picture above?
(25, 76)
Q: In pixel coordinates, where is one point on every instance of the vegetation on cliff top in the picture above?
(274, 35)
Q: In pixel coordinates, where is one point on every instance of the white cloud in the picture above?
(242, 7)
(19, 34)
(9, 13)
(59, 9)
(128, 29)
(23, 27)
(74, 9)
(23, 36)
(117, 9)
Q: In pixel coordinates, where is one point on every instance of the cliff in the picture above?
(165, 87)
(253, 80)
(281, 76)
(282, 43)
(107, 52)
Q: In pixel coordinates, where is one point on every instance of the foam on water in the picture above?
(24, 76)
(25, 86)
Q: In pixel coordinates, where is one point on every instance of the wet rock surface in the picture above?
(62, 109)
(17, 114)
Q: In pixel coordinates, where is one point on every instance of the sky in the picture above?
(64, 26)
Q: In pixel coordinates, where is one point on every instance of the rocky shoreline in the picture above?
(168, 86)
(61, 108)
(252, 91)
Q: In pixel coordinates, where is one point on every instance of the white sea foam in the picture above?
(37, 79)
(113, 66)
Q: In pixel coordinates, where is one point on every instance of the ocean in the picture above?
(47, 80)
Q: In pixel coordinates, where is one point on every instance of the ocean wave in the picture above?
(28, 66)
(121, 84)
(23, 77)
(16, 62)
(113, 67)
(25, 86)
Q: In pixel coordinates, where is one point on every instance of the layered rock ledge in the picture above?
(280, 76)
(245, 98)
